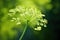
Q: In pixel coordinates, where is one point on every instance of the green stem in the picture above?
(23, 32)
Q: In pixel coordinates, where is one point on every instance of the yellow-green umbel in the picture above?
(29, 16)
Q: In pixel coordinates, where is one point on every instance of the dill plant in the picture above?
(29, 16)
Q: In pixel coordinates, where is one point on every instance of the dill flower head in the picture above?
(20, 15)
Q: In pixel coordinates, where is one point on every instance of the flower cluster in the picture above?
(22, 14)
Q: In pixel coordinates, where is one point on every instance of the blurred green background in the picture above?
(48, 7)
